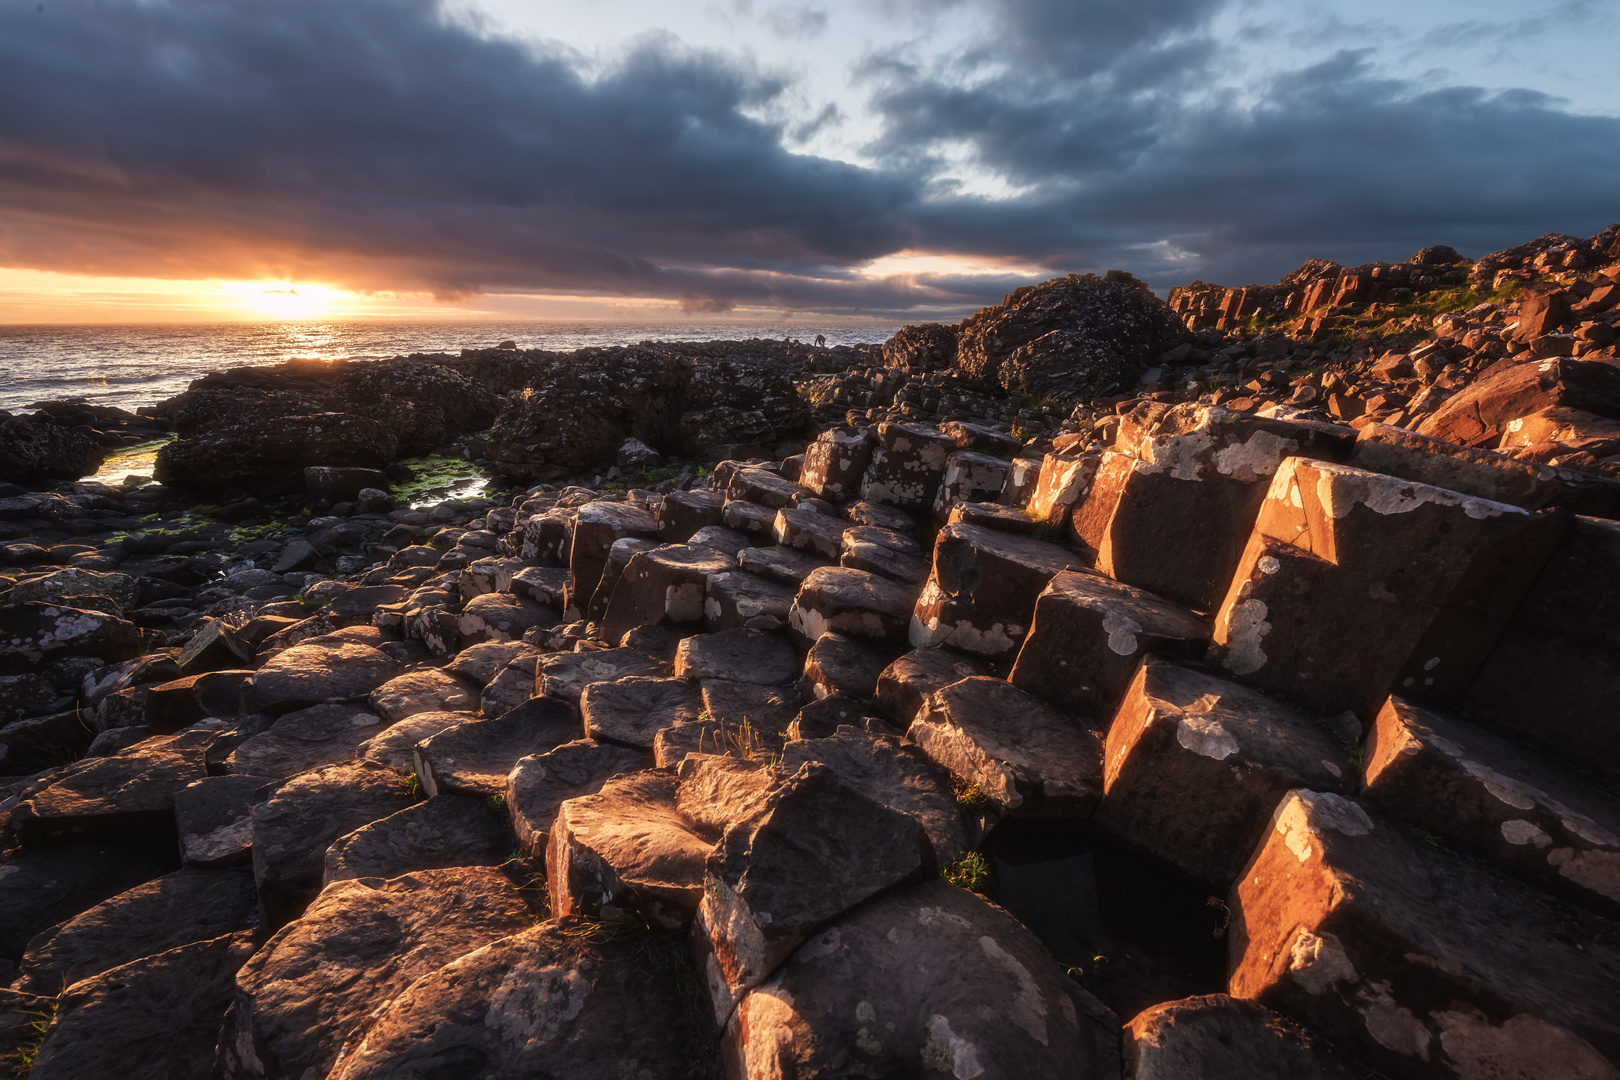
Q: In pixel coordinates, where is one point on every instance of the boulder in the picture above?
(314, 674)
(479, 664)
(177, 909)
(304, 740)
(1422, 580)
(1466, 470)
(749, 519)
(739, 655)
(1417, 959)
(33, 452)
(1196, 764)
(852, 602)
(767, 887)
(319, 984)
(880, 516)
(1479, 414)
(837, 664)
(43, 886)
(76, 588)
(627, 847)
(907, 467)
(326, 485)
(395, 747)
(539, 784)
(1025, 758)
(499, 617)
(444, 831)
(969, 477)
(767, 708)
(566, 675)
(1088, 635)
(150, 1019)
(552, 1000)
(981, 595)
(214, 816)
(930, 976)
(1496, 801)
(683, 513)
(473, 758)
(631, 710)
(1216, 1037)
(762, 487)
(784, 566)
(294, 826)
(835, 463)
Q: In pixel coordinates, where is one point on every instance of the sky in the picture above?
(208, 160)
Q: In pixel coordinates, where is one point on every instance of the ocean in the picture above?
(131, 366)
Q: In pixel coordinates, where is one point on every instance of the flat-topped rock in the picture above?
(214, 817)
(663, 586)
(751, 519)
(566, 675)
(548, 1001)
(396, 746)
(149, 1019)
(683, 513)
(837, 664)
(627, 847)
(176, 909)
(539, 784)
(294, 826)
(929, 974)
(126, 795)
(1497, 801)
(320, 983)
(807, 530)
(764, 488)
(473, 758)
(880, 516)
(420, 691)
(1195, 764)
(306, 739)
(631, 710)
(981, 595)
(739, 655)
(444, 831)
(1025, 758)
(835, 463)
(768, 709)
(1089, 634)
(853, 602)
(782, 565)
(741, 599)
(314, 674)
(1216, 1037)
(904, 687)
(1417, 959)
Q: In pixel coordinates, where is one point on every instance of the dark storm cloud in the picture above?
(377, 144)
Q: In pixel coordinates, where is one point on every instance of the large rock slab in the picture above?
(538, 785)
(320, 982)
(627, 847)
(177, 909)
(293, 828)
(740, 599)
(927, 979)
(1479, 414)
(566, 675)
(815, 848)
(1415, 958)
(424, 690)
(1023, 757)
(683, 513)
(785, 566)
(740, 655)
(837, 664)
(853, 602)
(214, 817)
(835, 463)
(596, 529)
(1216, 1037)
(1088, 636)
(549, 1001)
(305, 740)
(473, 758)
(395, 747)
(1497, 801)
(981, 595)
(1195, 764)
(905, 470)
(444, 831)
(1421, 579)
(312, 674)
(632, 710)
(151, 1019)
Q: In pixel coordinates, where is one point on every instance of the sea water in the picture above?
(130, 366)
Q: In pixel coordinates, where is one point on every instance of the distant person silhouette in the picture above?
(821, 341)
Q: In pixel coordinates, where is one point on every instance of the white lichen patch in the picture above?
(1206, 737)
(1121, 630)
(1246, 629)
(947, 1052)
(1316, 963)
(1520, 832)
(1027, 1008)
(1595, 870)
(1523, 1046)
(1341, 488)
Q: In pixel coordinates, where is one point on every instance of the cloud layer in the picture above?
(379, 144)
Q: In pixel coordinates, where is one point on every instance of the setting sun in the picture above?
(283, 300)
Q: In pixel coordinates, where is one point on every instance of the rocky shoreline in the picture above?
(1101, 687)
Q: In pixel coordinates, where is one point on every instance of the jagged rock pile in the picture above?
(64, 440)
(1280, 732)
(701, 758)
